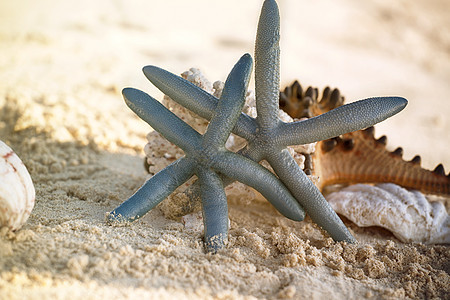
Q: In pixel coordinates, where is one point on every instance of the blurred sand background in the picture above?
(62, 67)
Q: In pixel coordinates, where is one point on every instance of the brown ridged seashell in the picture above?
(358, 157)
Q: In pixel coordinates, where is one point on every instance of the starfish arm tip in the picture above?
(132, 96)
(114, 218)
(378, 108)
(150, 71)
(126, 91)
(399, 102)
(152, 192)
(247, 57)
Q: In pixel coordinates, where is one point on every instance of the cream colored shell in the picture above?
(407, 214)
(17, 192)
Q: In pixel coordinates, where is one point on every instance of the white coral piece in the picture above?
(407, 214)
(17, 192)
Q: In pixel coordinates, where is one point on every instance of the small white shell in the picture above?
(407, 214)
(193, 222)
(17, 192)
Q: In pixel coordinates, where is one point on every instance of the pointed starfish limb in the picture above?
(162, 120)
(153, 191)
(267, 65)
(215, 210)
(347, 118)
(230, 104)
(309, 196)
(262, 180)
(194, 98)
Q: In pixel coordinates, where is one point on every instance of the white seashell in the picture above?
(407, 214)
(17, 193)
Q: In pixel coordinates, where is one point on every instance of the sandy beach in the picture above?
(63, 65)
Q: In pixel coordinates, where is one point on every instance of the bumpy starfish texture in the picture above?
(267, 135)
(206, 157)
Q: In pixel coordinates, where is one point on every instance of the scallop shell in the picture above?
(17, 192)
(407, 214)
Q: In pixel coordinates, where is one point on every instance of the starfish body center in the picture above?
(206, 157)
(266, 142)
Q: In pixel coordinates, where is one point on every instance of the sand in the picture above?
(63, 65)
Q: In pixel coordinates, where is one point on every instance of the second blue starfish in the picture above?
(206, 156)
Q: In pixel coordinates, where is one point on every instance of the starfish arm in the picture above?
(309, 196)
(347, 118)
(259, 178)
(182, 91)
(194, 98)
(267, 65)
(230, 104)
(162, 120)
(215, 210)
(153, 191)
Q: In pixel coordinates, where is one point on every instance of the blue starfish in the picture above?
(267, 135)
(206, 157)
(267, 138)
